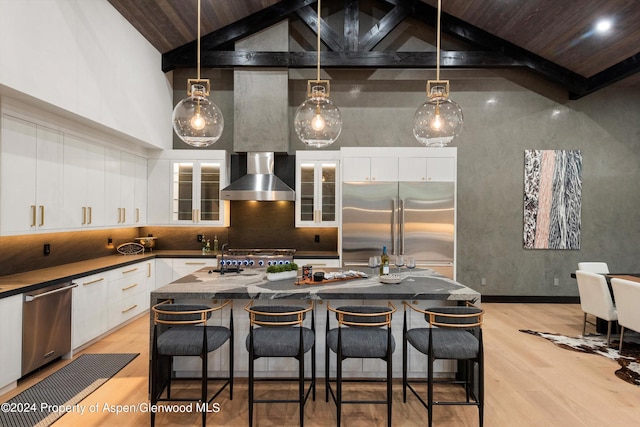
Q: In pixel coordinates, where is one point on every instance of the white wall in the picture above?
(82, 58)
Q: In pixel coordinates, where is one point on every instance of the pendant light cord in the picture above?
(318, 42)
(438, 43)
(198, 40)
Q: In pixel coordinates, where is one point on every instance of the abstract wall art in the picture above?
(552, 199)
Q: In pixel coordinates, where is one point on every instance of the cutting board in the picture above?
(326, 281)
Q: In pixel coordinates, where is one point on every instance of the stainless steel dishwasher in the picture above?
(46, 325)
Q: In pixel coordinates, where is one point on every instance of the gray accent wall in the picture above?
(506, 112)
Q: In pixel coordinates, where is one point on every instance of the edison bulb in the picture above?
(318, 123)
(197, 122)
(436, 123)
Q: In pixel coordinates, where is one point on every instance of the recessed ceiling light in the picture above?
(603, 26)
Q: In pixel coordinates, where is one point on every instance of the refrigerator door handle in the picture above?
(401, 214)
(394, 226)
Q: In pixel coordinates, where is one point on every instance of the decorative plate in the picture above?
(390, 279)
(130, 249)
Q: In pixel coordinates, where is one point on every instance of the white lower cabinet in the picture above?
(104, 301)
(128, 293)
(10, 341)
(183, 266)
(90, 310)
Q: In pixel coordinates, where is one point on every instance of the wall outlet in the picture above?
(200, 237)
(47, 249)
(316, 238)
(483, 281)
(556, 282)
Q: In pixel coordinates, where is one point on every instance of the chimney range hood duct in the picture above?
(260, 183)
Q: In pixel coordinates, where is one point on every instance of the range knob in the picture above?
(261, 263)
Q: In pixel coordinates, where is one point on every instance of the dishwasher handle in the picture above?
(29, 298)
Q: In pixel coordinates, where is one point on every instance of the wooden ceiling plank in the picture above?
(230, 33)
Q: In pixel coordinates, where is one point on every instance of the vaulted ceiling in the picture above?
(555, 39)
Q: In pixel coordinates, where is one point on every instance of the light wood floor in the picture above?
(529, 382)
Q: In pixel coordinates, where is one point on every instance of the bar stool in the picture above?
(278, 331)
(453, 333)
(363, 332)
(181, 330)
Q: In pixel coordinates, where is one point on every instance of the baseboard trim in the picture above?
(532, 299)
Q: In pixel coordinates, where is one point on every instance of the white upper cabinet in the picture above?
(427, 169)
(140, 191)
(31, 173)
(370, 169)
(317, 188)
(84, 183)
(184, 188)
(119, 188)
(378, 164)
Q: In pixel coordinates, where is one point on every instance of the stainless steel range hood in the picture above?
(260, 183)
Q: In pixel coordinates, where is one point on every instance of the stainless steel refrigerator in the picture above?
(409, 218)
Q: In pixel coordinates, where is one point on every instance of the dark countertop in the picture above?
(35, 279)
(252, 284)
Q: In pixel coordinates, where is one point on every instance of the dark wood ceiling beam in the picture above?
(328, 36)
(615, 73)
(351, 26)
(382, 29)
(374, 59)
(229, 34)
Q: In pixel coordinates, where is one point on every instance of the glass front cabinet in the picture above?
(317, 188)
(196, 189)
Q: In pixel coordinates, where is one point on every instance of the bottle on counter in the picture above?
(215, 245)
(207, 247)
(384, 262)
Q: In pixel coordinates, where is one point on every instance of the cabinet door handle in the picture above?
(119, 215)
(124, 215)
(130, 271)
(193, 215)
(84, 215)
(126, 288)
(90, 215)
(41, 215)
(33, 215)
(137, 215)
(148, 269)
(130, 308)
(195, 263)
(91, 282)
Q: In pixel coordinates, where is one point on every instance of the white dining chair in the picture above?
(595, 299)
(594, 267)
(627, 295)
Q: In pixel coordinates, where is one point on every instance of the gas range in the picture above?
(255, 258)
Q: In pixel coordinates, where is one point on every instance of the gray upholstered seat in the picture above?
(187, 340)
(454, 333)
(181, 330)
(277, 341)
(368, 343)
(363, 332)
(279, 331)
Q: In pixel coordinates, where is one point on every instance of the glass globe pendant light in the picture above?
(439, 120)
(318, 122)
(196, 120)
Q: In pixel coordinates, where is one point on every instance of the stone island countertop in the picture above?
(253, 284)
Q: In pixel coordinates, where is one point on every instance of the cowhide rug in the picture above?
(597, 344)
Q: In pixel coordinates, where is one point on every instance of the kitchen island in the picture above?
(428, 289)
